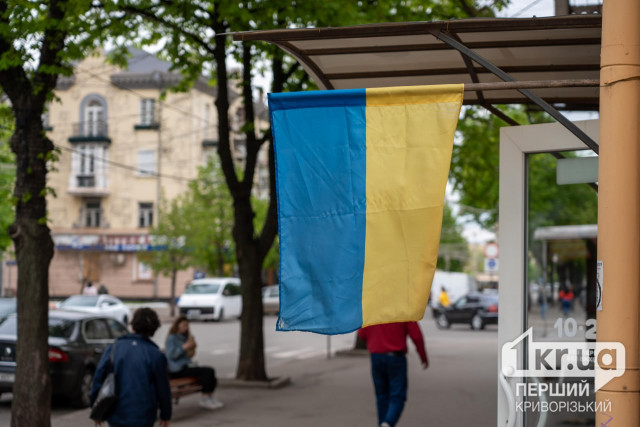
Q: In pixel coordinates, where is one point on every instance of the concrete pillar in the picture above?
(619, 205)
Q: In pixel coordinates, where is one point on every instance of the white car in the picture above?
(106, 305)
(212, 298)
(271, 299)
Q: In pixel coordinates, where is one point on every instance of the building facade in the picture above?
(122, 148)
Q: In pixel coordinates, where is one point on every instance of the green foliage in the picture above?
(196, 227)
(171, 232)
(454, 251)
(475, 160)
(475, 170)
(272, 259)
(7, 176)
(211, 216)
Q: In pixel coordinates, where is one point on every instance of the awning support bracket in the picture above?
(507, 78)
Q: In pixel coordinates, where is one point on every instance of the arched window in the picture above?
(93, 116)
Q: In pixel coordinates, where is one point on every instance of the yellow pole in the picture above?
(619, 205)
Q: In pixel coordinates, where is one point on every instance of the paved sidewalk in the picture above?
(459, 389)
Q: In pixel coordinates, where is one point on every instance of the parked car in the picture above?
(98, 304)
(76, 343)
(8, 306)
(213, 298)
(271, 299)
(476, 309)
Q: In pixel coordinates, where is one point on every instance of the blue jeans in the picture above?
(389, 373)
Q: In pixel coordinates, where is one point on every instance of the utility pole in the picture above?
(619, 207)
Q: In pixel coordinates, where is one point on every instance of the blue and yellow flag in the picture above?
(361, 177)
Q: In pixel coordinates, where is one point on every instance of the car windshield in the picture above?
(80, 301)
(59, 328)
(204, 288)
(7, 306)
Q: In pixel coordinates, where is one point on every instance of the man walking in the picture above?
(387, 344)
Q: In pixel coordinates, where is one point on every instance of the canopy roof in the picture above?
(421, 53)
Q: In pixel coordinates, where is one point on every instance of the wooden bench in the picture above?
(183, 387)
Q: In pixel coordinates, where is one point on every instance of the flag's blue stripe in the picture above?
(317, 99)
(321, 219)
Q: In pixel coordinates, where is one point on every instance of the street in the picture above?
(459, 388)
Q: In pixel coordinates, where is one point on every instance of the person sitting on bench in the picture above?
(180, 347)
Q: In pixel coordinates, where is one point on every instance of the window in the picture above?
(45, 118)
(94, 119)
(145, 214)
(143, 271)
(92, 213)
(146, 162)
(147, 111)
(96, 330)
(117, 330)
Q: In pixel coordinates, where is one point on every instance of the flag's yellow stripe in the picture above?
(410, 134)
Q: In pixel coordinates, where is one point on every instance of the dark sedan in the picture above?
(76, 343)
(475, 309)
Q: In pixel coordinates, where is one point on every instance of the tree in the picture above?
(7, 177)
(38, 42)
(210, 211)
(453, 252)
(191, 32)
(170, 234)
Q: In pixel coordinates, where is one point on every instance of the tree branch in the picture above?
(249, 115)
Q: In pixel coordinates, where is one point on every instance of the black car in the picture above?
(76, 343)
(476, 309)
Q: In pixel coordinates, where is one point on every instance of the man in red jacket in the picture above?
(387, 344)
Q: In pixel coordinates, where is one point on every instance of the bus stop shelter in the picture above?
(554, 63)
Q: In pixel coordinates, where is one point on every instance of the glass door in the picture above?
(547, 279)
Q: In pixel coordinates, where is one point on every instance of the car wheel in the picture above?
(220, 316)
(442, 322)
(476, 322)
(82, 398)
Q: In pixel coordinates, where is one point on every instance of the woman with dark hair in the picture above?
(140, 369)
(180, 348)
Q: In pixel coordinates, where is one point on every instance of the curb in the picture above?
(353, 352)
(272, 383)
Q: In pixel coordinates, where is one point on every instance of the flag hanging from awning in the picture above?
(360, 178)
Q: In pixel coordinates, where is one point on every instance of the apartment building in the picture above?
(122, 148)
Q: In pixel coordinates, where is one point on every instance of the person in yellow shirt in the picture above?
(443, 299)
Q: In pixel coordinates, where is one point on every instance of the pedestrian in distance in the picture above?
(180, 348)
(443, 299)
(566, 299)
(90, 289)
(141, 376)
(387, 344)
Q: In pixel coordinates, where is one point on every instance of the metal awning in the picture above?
(413, 53)
(560, 56)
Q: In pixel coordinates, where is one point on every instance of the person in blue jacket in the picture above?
(180, 348)
(141, 374)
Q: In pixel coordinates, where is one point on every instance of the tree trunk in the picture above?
(31, 404)
(251, 358)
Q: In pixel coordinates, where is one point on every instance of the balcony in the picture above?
(92, 131)
(88, 185)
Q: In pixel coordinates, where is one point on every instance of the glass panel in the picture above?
(202, 289)
(96, 330)
(560, 292)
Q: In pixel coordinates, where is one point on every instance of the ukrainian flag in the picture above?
(361, 177)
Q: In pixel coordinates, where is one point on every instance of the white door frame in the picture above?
(515, 143)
